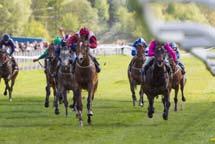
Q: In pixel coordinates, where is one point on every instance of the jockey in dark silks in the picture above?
(8, 42)
(175, 48)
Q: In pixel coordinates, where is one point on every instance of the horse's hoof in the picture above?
(46, 105)
(141, 104)
(57, 112)
(183, 99)
(10, 100)
(89, 120)
(81, 123)
(5, 93)
(150, 115)
(175, 109)
(165, 116)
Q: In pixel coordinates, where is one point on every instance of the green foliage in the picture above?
(35, 29)
(14, 14)
(102, 6)
(87, 16)
(70, 22)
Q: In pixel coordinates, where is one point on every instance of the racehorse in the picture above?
(134, 74)
(158, 82)
(178, 80)
(86, 78)
(7, 72)
(51, 63)
(65, 79)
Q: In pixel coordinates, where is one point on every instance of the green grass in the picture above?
(25, 120)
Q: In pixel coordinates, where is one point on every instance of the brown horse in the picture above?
(7, 72)
(134, 74)
(51, 72)
(178, 80)
(86, 78)
(158, 82)
(65, 79)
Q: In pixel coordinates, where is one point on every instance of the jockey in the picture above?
(84, 34)
(57, 43)
(138, 43)
(8, 42)
(153, 44)
(176, 49)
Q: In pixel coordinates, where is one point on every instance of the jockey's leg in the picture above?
(97, 65)
(182, 67)
(14, 64)
(168, 68)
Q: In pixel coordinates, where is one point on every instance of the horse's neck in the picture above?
(139, 60)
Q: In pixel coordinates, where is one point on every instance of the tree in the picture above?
(35, 29)
(102, 6)
(14, 14)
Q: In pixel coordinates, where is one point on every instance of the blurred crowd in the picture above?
(27, 47)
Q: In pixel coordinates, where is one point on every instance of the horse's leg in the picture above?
(48, 92)
(6, 88)
(79, 106)
(166, 103)
(151, 107)
(73, 105)
(141, 101)
(89, 102)
(182, 83)
(56, 102)
(9, 89)
(132, 88)
(65, 101)
(176, 98)
(12, 84)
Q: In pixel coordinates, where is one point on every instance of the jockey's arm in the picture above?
(93, 42)
(42, 56)
(170, 51)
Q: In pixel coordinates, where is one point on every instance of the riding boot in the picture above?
(169, 69)
(182, 67)
(14, 65)
(98, 69)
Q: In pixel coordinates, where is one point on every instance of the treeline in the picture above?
(109, 19)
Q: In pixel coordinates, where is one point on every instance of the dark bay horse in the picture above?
(134, 74)
(7, 72)
(86, 78)
(178, 80)
(65, 79)
(51, 72)
(158, 82)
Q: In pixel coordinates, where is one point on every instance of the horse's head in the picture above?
(160, 54)
(140, 50)
(83, 53)
(65, 56)
(51, 52)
